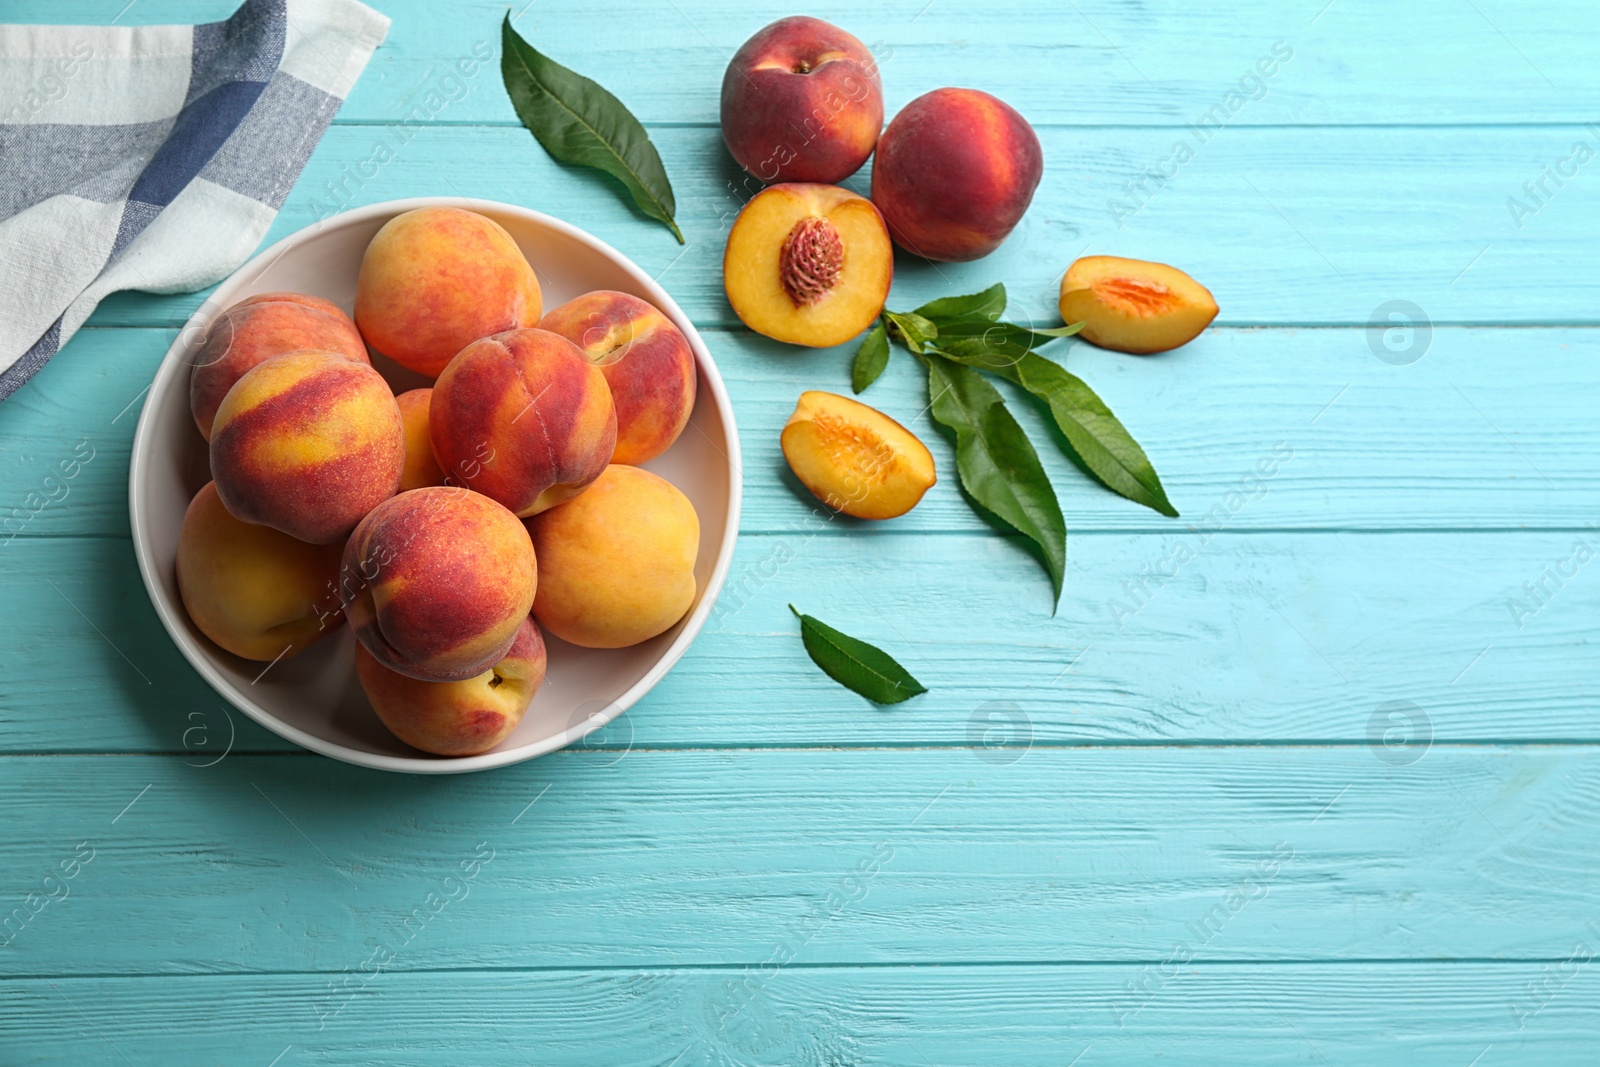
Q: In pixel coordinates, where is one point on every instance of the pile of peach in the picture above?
(453, 525)
(810, 262)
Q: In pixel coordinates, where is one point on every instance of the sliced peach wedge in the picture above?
(808, 264)
(854, 458)
(1131, 305)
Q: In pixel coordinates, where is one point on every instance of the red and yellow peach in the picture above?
(256, 329)
(307, 443)
(437, 582)
(647, 363)
(955, 172)
(460, 718)
(435, 279)
(801, 102)
(523, 418)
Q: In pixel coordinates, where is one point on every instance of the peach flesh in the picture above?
(808, 264)
(854, 458)
(1136, 306)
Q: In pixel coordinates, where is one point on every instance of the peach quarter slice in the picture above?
(854, 458)
(1131, 305)
(808, 264)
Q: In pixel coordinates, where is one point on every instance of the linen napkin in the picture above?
(155, 158)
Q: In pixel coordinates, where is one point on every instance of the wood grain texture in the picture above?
(869, 856)
(1090, 62)
(1258, 638)
(1286, 226)
(1470, 437)
(1403, 1015)
(1322, 791)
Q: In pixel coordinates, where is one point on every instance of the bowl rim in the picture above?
(167, 377)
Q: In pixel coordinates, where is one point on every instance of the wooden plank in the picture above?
(1257, 637)
(585, 860)
(1466, 438)
(1280, 223)
(1405, 1015)
(1166, 63)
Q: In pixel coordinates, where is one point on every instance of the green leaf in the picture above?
(1097, 439)
(998, 467)
(579, 122)
(1003, 338)
(871, 358)
(911, 329)
(856, 665)
(988, 305)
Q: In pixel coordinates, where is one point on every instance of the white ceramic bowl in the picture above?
(314, 699)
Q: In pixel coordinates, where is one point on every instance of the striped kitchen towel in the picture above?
(154, 158)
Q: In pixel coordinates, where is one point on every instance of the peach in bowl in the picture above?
(312, 691)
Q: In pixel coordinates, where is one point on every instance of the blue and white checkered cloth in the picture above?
(154, 158)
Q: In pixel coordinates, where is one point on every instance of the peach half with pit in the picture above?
(955, 172)
(1132, 305)
(307, 444)
(435, 279)
(460, 718)
(854, 458)
(256, 592)
(647, 363)
(437, 582)
(523, 418)
(802, 102)
(618, 561)
(808, 264)
(256, 329)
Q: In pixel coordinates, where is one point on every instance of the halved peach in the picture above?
(808, 264)
(856, 459)
(1132, 305)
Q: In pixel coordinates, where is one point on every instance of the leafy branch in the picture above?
(957, 337)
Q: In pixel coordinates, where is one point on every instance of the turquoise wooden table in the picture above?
(1310, 775)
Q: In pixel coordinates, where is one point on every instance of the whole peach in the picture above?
(955, 172)
(457, 718)
(256, 592)
(618, 560)
(523, 418)
(646, 360)
(256, 329)
(435, 279)
(308, 443)
(801, 102)
(436, 582)
(421, 467)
